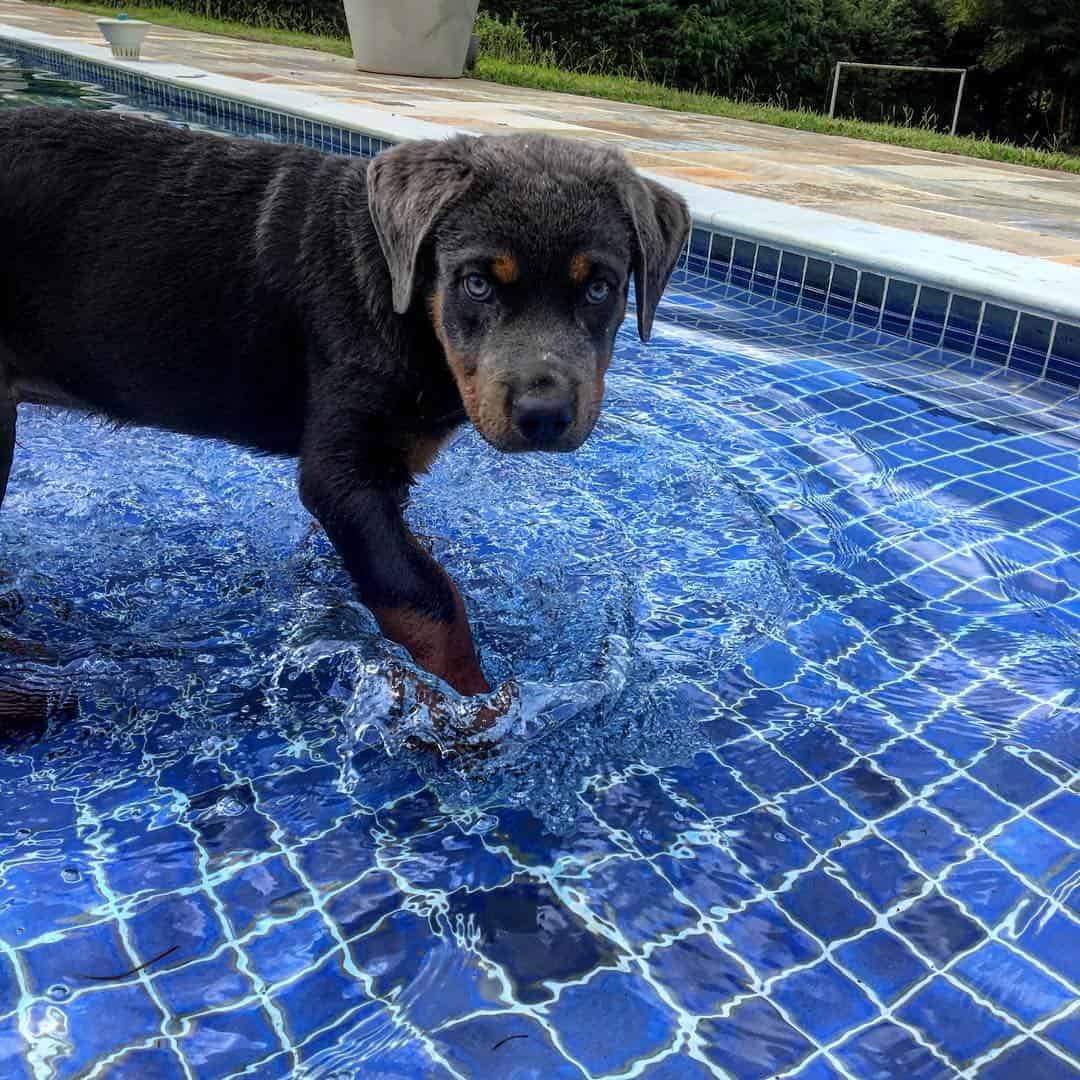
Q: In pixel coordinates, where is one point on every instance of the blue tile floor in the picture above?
(792, 788)
(861, 861)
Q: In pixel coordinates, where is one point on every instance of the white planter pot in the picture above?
(411, 37)
(125, 36)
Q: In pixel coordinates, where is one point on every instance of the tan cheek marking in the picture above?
(505, 268)
(485, 410)
(579, 268)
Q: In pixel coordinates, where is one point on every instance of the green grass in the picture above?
(639, 92)
(548, 76)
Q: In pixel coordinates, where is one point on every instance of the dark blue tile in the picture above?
(815, 288)
(286, 949)
(1065, 351)
(1066, 1034)
(768, 848)
(720, 257)
(160, 1063)
(642, 808)
(767, 940)
(214, 983)
(220, 1043)
(937, 928)
(789, 281)
(996, 332)
(954, 1022)
(79, 952)
(842, 291)
(708, 877)
(882, 962)
(754, 1042)
(630, 895)
(1028, 1059)
(913, 764)
(823, 1002)
(819, 1068)
(766, 269)
(181, 927)
(878, 872)
(450, 860)
(760, 768)
(1010, 777)
(131, 1014)
(899, 307)
(149, 859)
(711, 786)
(773, 665)
(9, 986)
(527, 929)
(929, 323)
(267, 888)
(866, 791)
(1012, 983)
(1051, 939)
(869, 300)
(699, 242)
(815, 749)
(324, 995)
(742, 263)
(819, 816)
(678, 1066)
(1037, 853)
(228, 828)
(699, 975)
(972, 807)
(987, 888)
(1062, 813)
(887, 1052)
(359, 906)
(503, 1044)
(825, 907)
(612, 1021)
(1032, 344)
(929, 839)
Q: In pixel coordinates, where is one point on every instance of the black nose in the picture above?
(542, 420)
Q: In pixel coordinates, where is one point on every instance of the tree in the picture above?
(1035, 43)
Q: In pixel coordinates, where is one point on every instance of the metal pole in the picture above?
(835, 88)
(959, 95)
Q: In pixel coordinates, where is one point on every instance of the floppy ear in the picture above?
(408, 187)
(661, 225)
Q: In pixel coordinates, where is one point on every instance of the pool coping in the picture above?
(1013, 309)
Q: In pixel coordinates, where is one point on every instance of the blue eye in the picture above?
(597, 291)
(478, 288)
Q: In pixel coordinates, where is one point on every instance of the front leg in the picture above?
(354, 485)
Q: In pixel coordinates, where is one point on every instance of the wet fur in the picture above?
(304, 305)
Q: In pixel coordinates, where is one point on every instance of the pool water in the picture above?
(791, 787)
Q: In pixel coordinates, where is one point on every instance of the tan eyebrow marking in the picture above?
(580, 265)
(505, 268)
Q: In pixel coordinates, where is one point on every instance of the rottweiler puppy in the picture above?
(351, 314)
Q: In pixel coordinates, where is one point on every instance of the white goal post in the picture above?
(962, 72)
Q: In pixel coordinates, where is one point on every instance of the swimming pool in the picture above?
(794, 792)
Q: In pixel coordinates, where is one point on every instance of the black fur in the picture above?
(240, 290)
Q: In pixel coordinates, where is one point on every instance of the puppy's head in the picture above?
(522, 249)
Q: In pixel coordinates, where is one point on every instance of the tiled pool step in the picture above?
(1030, 342)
